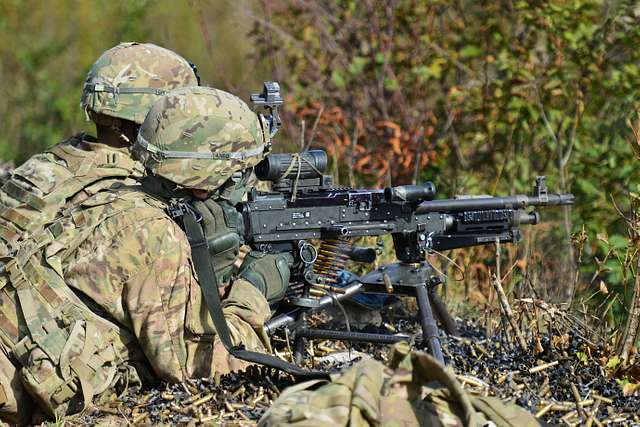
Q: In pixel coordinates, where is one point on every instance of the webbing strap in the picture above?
(23, 195)
(209, 155)
(84, 375)
(16, 219)
(101, 87)
(209, 285)
(65, 356)
(33, 317)
(9, 232)
(80, 364)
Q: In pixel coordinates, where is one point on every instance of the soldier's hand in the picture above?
(269, 273)
(223, 240)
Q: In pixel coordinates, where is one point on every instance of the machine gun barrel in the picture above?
(519, 201)
(303, 205)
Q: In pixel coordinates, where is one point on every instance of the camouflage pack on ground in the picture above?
(414, 390)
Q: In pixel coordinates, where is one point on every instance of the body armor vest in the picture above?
(66, 353)
(46, 184)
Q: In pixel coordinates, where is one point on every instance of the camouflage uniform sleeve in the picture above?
(155, 295)
(137, 268)
(245, 310)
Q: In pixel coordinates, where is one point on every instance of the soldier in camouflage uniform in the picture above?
(116, 96)
(125, 256)
(198, 145)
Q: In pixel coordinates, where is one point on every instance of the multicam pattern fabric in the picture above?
(414, 390)
(81, 166)
(135, 267)
(15, 405)
(131, 264)
(127, 79)
(199, 137)
(61, 177)
(59, 348)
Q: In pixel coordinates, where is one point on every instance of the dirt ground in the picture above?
(538, 379)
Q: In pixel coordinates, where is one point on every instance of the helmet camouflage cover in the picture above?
(198, 137)
(127, 79)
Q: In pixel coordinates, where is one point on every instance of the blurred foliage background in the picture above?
(48, 47)
(480, 97)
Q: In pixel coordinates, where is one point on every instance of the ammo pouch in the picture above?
(67, 354)
(73, 361)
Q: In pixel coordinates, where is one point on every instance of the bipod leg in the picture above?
(440, 310)
(299, 343)
(428, 323)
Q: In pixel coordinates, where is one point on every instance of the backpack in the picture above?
(66, 354)
(414, 390)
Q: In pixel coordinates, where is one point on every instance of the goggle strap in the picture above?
(100, 87)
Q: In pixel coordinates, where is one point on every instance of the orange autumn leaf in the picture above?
(395, 145)
(363, 161)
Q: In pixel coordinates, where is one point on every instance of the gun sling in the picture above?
(209, 284)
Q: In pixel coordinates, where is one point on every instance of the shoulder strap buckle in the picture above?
(177, 209)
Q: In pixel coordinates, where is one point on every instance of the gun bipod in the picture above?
(406, 279)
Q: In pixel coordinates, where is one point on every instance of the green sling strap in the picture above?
(209, 285)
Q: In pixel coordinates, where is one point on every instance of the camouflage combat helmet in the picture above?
(198, 137)
(127, 79)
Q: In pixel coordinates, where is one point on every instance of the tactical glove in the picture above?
(221, 229)
(269, 273)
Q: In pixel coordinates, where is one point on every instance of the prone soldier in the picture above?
(112, 287)
(117, 94)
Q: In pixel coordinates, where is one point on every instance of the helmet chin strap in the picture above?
(112, 123)
(115, 127)
(235, 187)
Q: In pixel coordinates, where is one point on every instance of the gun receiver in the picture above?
(305, 206)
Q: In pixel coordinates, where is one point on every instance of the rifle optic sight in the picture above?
(276, 167)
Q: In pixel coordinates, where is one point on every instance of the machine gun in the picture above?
(304, 206)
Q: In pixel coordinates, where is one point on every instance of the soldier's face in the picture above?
(200, 194)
